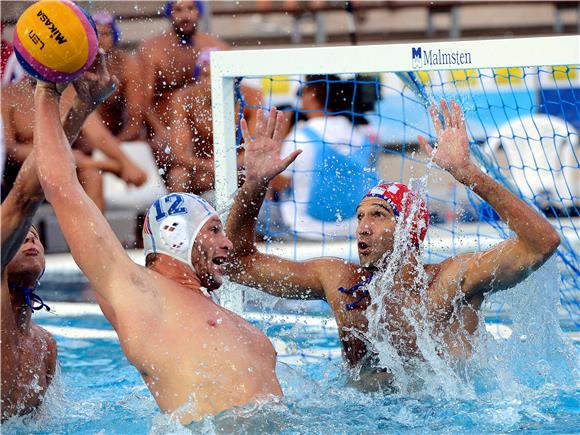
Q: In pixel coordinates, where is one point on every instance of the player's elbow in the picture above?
(545, 247)
(551, 243)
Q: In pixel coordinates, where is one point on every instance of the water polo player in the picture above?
(196, 357)
(29, 352)
(121, 112)
(169, 64)
(192, 130)
(392, 222)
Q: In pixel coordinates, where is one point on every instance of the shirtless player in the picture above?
(192, 166)
(455, 288)
(168, 64)
(17, 114)
(196, 357)
(121, 112)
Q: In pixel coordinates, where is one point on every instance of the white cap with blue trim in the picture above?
(173, 222)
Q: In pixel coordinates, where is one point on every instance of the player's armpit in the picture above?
(499, 268)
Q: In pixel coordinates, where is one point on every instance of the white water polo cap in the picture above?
(173, 222)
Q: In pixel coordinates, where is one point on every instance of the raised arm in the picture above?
(509, 262)
(93, 244)
(26, 196)
(275, 275)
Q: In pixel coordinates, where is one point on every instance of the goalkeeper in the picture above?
(446, 300)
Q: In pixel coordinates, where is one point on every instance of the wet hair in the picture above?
(150, 259)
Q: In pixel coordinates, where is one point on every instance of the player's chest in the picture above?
(221, 331)
(178, 65)
(32, 372)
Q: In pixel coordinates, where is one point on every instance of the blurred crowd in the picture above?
(164, 100)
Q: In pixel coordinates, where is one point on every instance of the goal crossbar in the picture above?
(226, 66)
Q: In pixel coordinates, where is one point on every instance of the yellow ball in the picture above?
(55, 40)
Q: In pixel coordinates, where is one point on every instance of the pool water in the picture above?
(98, 391)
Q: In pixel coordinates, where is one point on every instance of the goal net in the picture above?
(357, 111)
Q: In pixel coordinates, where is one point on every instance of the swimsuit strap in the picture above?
(353, 305)
(34, 301)
(353, 289)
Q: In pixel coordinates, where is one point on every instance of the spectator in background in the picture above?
(336, 158)
(6, 50)
(117, 119)
(11, 71)
(168, 65)
(18, 124)
(192, 166)
(120, 112)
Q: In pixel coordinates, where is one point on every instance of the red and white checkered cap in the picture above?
(401, 199)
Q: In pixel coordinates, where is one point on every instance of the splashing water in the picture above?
(536, 356)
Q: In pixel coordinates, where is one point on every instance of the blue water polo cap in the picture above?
(107, 19)
(168, 8)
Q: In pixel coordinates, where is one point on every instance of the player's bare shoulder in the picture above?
(206, 41)
(51, 346)
(336, 272)
(154, 46)
(45, 342)
(446, 278)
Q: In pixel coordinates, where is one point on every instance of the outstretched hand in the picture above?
(96, 84)
(451, 151)
(262, 152)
